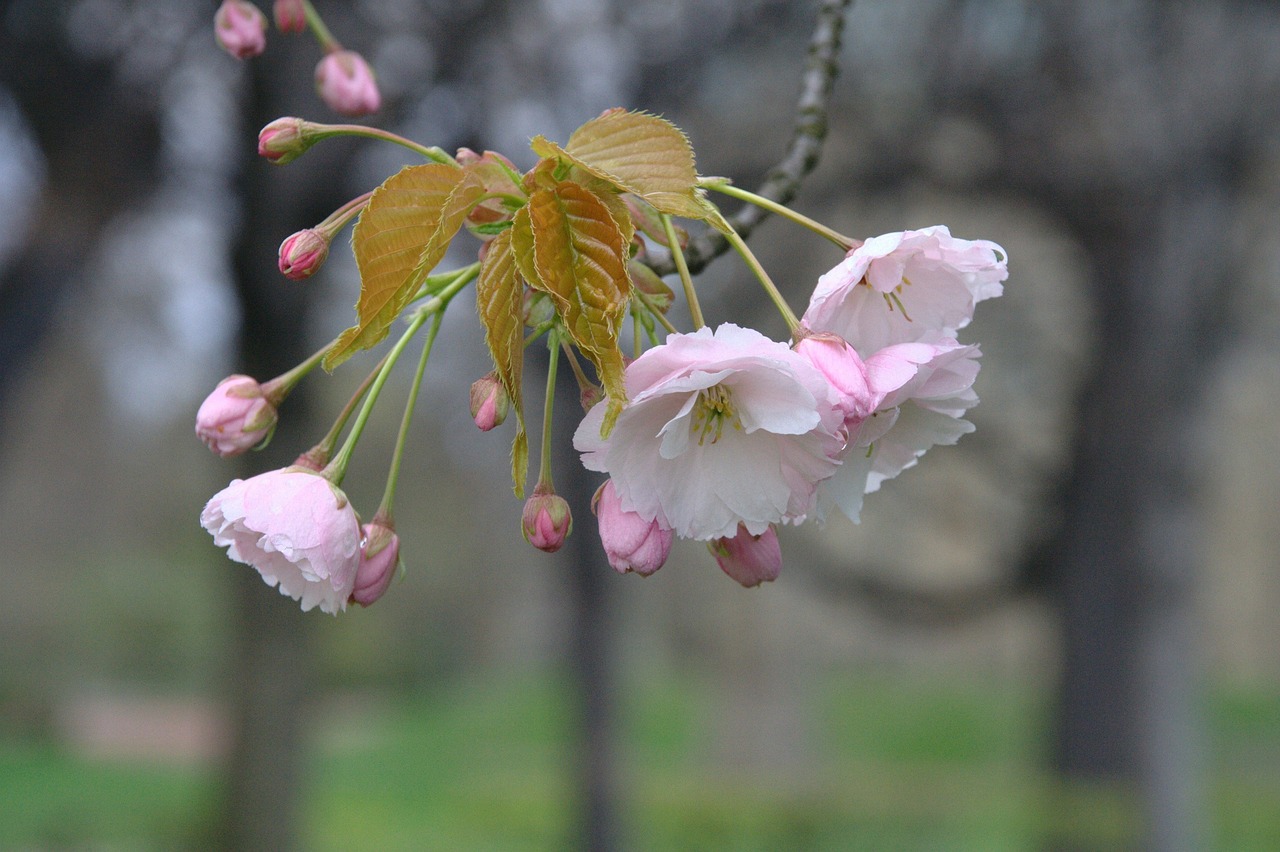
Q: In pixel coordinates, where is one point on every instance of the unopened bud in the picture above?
(538, 309)
(303, 253)
(345, 82)
(240, 28)
(749, 559)
(489, 402)
(379, 559)
(290, 16)
(285, 140)
(630, 542)
(235, 417)
(546, 521)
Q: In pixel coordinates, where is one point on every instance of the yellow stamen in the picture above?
(713, 408)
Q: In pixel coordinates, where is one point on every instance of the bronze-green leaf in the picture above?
(500, 300)
(400, 237)
(580, 260)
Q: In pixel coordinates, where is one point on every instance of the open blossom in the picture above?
(923, 391)
(630, 542)
(345, 82)
(240, 28)
(296, 528)
(906, 286)
(235, 417)
(722, 429)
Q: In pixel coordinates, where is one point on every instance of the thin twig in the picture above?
(783, 181)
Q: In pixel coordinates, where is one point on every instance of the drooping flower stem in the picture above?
(278, 388)
(793, 323)
(323, 451)
(327, 42)
(723, 186)
(388, 496)
(690, 295)
(653, 309)
(544, 468)
(324, 131)
(584, 384)
(338, 219)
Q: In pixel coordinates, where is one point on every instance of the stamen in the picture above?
(713, 408)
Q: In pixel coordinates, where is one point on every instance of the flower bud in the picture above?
(538, 309)
(546, 520)
(303, 253)
(235, 417)
(379, 559)
(489, 402)
(284, 140)
(345, 82)
(290, 16)
(844, 371)
(749, 559)
(240, 28)
(630, 542)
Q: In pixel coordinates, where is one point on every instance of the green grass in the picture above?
(884, 764)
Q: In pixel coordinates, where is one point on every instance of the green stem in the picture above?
(653, 309)
(327, 42)
(452, 282)
(324, 131)
(338, 219)
(793, 323)
(388, 496)
(719, 185)
(677, 254)
(278, 388)
(330, 440)
(544, 469)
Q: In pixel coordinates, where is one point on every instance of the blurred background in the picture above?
(1058, 634)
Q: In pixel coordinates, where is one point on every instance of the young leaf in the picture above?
(400, 237)
(499, 300)
(580, 260)
(638, 153)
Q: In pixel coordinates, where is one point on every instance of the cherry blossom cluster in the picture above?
(720, 435)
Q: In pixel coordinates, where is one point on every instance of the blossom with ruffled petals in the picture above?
(749, 559)
(345, 82)
(630, 542)
(906, 286)
(235, 417)
(722, 429)
(296, 528)
(924, 390)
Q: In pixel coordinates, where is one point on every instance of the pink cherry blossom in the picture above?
(379, 559)
(240, 28)
(749, 559)
(546, 520)
(722, 429)
(924, 391)
(906, 286)
(235, 417)
(630, 542)
(296, 528)
(345, 82)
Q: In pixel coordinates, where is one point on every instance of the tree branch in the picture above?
(783, 181)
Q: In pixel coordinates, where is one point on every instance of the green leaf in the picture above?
(580, 261)
(638, 153)
(400, 237)
(500, 302)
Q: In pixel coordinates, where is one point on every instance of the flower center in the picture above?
(713, 408)
(893, 297)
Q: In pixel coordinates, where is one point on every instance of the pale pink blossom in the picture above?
(722, 429)
(296, 528)
(546, 520)
(240, 28)
(749, 559)
(630, 542)
(379, 561)
(845, 372)
(906, 286)
(236, 417)
(302, 254)
(924, 390)
(345, 82)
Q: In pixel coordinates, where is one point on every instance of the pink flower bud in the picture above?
(546, 520)
(345, 82)
(630, 542)
(284, 140)
(240, 28)
(749, 559)
(489, 402)
(303, 253)
(235, 417)
(844, 371)
(290, 16)
(379, 559)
